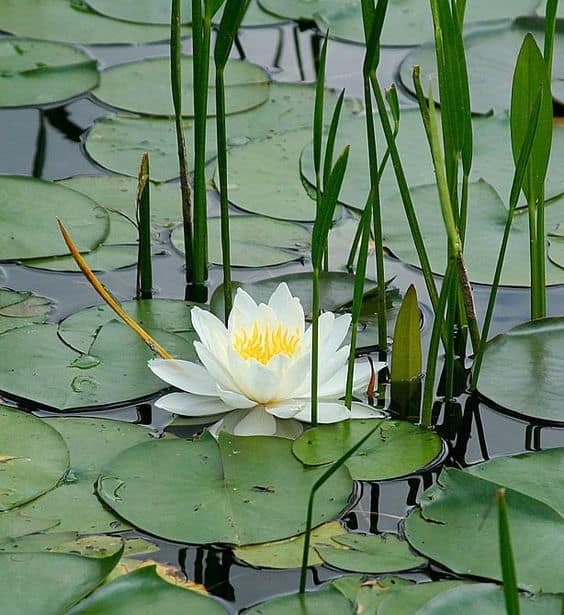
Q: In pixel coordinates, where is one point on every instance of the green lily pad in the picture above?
(92, 443)
(33, 458)
(59, 580)
(225, 493)
(41, 72)
(24, 200)
(409, 599)
(64, 542)
(486, 599)
(143, 11)
(46, 371)
(325, 600)
(366, 596)
(490, 56)
(79, 330)
(530, 357)
(288, 553)
(104, 258)
(14, 524)
(71, 21)
(369, 553)
(255, 241)
(143, 591)
(398, 448)
(124, 87)
(19, 309)
(457, 526)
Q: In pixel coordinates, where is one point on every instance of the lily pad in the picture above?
(19, 309)
(14, 524)
(71, 21)
(367, 595)
(255, 241)
(226, 496)
(490, 56)
(59, 580)
(143, 11)
(33, 458)
(64, 542)
(456, 523)
(124, 87)
(48, 372)
(143, 591)
(41, 72)
(369, 553)
(398, 448)
(409, 599)
(530, 357)
(24, 200)
(288, 553)
(104, 258)
(92, 443)
(79, 330)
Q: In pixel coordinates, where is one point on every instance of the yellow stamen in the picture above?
(264, 342)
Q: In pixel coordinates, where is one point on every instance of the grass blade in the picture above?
(510, 589)
(143, 202)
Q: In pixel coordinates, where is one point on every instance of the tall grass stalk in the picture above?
(357, 298)
(509, 575)
(231, 20)
(321, 227)
(317, 485)
(373, 17)
(176, 86)
(143, 208)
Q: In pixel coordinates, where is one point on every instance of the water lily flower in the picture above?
(262, 363)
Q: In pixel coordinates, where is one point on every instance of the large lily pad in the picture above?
(33, 458)
(490, 55)
(228, 494)
(398, 448)
(15, 524)
(143, 591)
(24, 200)
(59, 580)
(43, 369)
(143, 11)
(255, 241)
(79, 330)
(530, 357)
(71, 21)
(103, 258)
(457, 525)
(73, 504)
(41, 72)
(19, 309)
(125, 86)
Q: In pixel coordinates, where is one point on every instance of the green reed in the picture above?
(509, 574)
(143, 202)
(231, 20)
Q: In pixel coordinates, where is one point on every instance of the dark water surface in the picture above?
(475, 432)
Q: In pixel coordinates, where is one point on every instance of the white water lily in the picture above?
(262, 361)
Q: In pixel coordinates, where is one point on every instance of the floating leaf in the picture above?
(41, 72)
(530, 358)
(325, 600)
(24, 201)
(123, 86)
(398, 448)
(15, 524)
(225, 492)
(48, 372)
(371, 554)
(288, 553)
(255, 241)
(58, 580)
(490, 55)
(92, 442)
(79, 330)
(71, 21)
(407, 600)
(143, 11)
(65, 542)
(103, 258)
(33, 458)
(457, 525)
(366, 596)
(19, 309)
(140, 591)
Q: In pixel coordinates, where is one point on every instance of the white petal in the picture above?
(297, 377)
(287, 409)
(184, 375)
(256, 423)
(187, 404)
(255, 380)
(327, 412)
(331, 340)
(243, 312)
(336, 385)
(364, 411)
(288, 309)
(211, 331)
(235, 400)
(327, 369)
(288, 429)
(217, 370)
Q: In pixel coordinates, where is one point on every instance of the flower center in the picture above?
(264, 342)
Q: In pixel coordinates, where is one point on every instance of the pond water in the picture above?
(49, 144)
